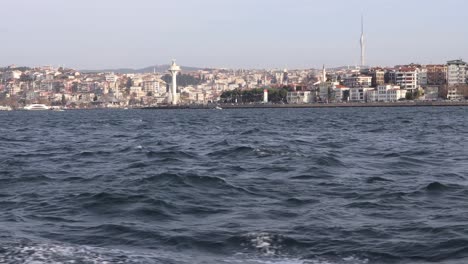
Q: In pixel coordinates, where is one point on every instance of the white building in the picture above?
(386, 93)
(407, 78)
(454, 93)
(422, 77)
(299, 97)
(339, 93)
(456, 72)
(325, 90)
(358, 94)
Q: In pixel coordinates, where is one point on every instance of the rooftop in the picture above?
(456, 62)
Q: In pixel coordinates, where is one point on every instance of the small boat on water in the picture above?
(218, 108)
(36, 107)
(57, 108)
(5, 108)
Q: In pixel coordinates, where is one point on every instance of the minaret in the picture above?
(363, 46)
(174, 69)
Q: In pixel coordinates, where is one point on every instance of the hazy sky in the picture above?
(93, 34)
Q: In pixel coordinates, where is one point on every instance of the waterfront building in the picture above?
(386, 93)
(340, 93)
(455, 92)
(358, 94)
(431, 93)
(325, 91)
(299, 97)
(456, 72)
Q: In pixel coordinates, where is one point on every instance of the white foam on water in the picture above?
(253, 260)
(267, 244)
(245, 259)
(49, 253)
(272, 250)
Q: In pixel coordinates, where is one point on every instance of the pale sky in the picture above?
(96, 34)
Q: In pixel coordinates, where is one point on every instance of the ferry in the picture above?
(36, 107)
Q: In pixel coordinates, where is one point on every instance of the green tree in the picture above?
(25, 78)
(74, 87)
(275, 95)
(64, 100)
(129, 83)
(182, 80)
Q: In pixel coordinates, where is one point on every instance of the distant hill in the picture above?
(150, 69)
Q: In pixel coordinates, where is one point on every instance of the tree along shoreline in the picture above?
(315, 105)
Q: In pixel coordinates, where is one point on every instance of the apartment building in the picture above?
(456, 72)
(378, 77)
(405, 77)
(357, 81)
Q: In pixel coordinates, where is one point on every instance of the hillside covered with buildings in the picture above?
(68, 88)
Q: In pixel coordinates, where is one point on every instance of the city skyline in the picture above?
(231, 34)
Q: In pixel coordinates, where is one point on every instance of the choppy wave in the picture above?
(253, 186)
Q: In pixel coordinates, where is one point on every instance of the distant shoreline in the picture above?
(316, 105)
(282, 106)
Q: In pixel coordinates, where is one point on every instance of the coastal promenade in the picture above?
(315, 105)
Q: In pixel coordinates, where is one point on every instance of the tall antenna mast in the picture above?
(363, 47)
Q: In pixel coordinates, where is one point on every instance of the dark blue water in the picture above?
(361, 185)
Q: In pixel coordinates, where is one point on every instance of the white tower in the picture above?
(363, 45)
(265, 96)
(174, 69)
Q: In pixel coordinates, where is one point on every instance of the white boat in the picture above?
(36, 107)
(5, 108)
(57, 108)
(218, 108)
